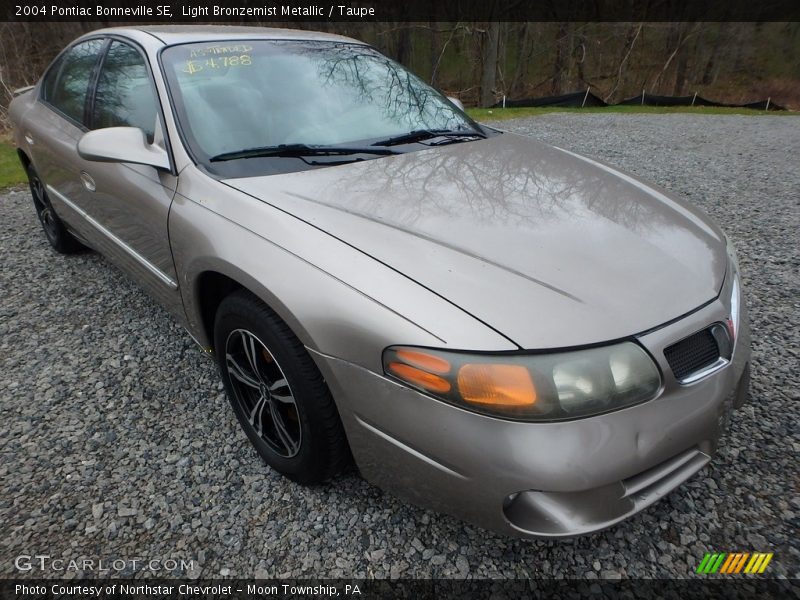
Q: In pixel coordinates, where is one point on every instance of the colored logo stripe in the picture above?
(701, 568)
(726, 566)
(737, 563)
(758, 563)
(711, 562)
(734, 562)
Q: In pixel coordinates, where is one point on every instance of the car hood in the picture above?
(549, 248)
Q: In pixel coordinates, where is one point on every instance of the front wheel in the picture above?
(277, 392)
(54, 230)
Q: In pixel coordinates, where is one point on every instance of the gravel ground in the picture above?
(117, 442)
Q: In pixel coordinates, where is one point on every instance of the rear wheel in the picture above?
(277, 392)
(54, 230)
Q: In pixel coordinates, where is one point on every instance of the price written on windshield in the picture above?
(219, 62)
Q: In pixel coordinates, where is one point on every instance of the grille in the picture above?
(692, 354)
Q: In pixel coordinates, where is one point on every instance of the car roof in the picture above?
(180, 34)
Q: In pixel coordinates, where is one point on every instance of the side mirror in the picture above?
(457, 102)
(122, 144)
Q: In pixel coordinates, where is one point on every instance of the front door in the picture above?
(131, 202)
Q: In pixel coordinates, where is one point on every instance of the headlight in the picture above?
(733, 320)
(535, 387)
(732, 254)
(735, 299)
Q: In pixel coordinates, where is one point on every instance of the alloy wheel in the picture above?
(263, 392)
(43, 208)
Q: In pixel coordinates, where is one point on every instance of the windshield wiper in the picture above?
(419, 135)
(297, 150)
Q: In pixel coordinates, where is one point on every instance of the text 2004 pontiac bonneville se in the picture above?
(489, 326)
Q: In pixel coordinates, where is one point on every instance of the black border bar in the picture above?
(287, 11)
(740, 587)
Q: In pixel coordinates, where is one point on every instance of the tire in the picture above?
(56, 233)
(283, 405)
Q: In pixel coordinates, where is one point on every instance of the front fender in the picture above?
(337, 300)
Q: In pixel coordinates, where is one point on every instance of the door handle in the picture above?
(88, 182)
(29, 139)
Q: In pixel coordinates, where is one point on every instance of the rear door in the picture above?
(56, 122)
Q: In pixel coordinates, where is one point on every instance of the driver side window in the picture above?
(125, 96)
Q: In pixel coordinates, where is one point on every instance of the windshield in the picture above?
(262, 94)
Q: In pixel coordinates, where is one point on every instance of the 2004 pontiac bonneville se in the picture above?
(492, 327)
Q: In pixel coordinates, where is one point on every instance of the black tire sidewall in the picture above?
(242, 312)
(60, 239)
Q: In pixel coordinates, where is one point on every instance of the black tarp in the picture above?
(579, 99)
(573, 100)
(761, 105)
(655, 100)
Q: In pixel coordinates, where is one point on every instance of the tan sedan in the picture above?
(493, 327)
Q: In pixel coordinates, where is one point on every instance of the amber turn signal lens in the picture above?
(419, 378)
(496, 385)
(424, 361)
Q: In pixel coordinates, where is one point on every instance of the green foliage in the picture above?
(11, 173)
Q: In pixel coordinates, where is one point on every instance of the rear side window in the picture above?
(125, 96)
(69, 92)
(49, 84)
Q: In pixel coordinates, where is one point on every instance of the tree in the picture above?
(489, 63)
(562, 44)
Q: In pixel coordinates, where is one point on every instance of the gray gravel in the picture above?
(116, 441)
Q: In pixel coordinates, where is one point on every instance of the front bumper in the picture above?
(540, 479)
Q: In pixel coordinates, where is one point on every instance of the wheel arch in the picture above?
(213, 284)
(210, 289)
